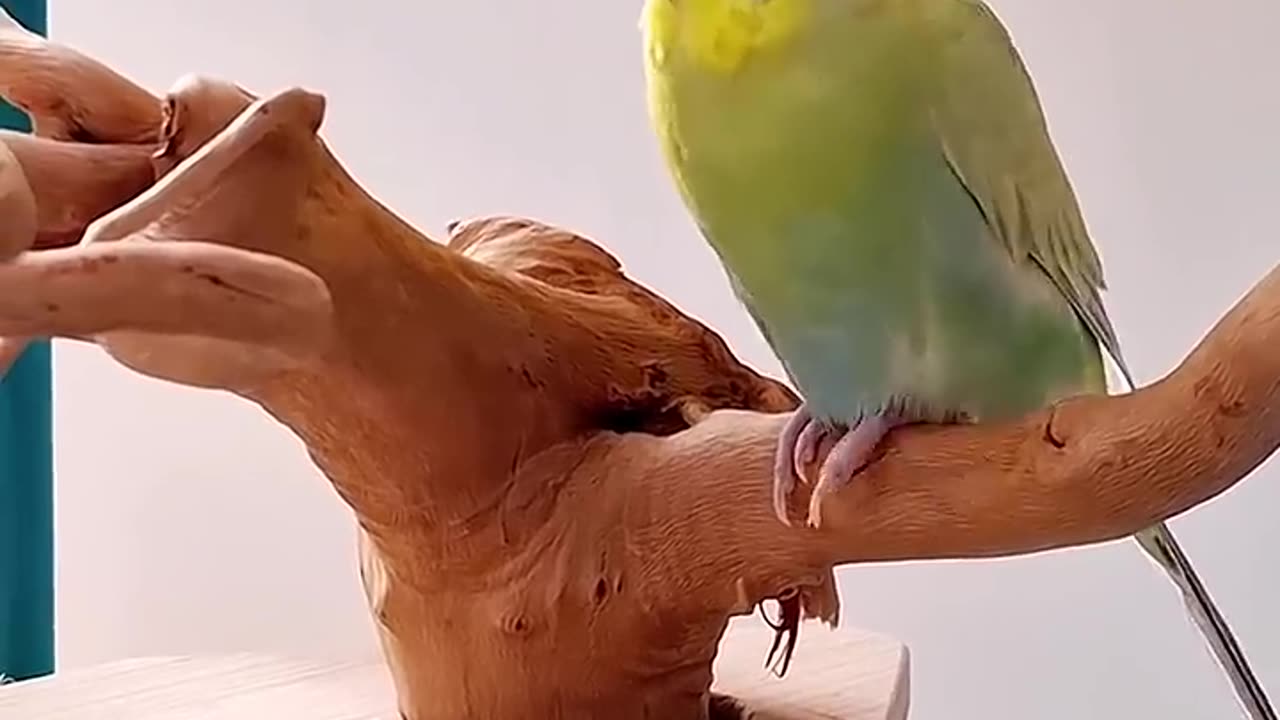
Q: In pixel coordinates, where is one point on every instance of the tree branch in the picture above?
(76, 182)
(1088, 470)
(218, 298)
(562, 480)
(70, 96)
(17, 207)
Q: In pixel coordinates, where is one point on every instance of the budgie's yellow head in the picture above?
(719, 35)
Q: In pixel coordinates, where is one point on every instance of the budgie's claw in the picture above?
(784, 473)
(850, 454)
(798, 446)
(806, 450)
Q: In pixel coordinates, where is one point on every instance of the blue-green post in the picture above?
(26, 475)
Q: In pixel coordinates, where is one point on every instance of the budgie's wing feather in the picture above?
(992, 130)
(993, 133)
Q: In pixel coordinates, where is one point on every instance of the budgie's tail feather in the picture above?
(1162, 547)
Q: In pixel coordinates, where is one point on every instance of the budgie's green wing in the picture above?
(992, 129)
(993, 132)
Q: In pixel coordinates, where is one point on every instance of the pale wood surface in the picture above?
(848, 674)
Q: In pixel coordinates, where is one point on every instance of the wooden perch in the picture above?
(563, 482)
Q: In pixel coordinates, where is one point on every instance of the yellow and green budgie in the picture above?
(877, 178)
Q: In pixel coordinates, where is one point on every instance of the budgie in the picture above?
(878, 181)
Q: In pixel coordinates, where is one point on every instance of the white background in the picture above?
(190, 522)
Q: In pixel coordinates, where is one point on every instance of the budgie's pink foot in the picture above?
(784, 473)
(811, 437)
(850, 454)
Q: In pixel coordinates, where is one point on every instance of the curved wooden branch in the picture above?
(1088, 470)
(17, 207)
(70, 96)
(562, 481)
(77, 182)
(255, 310)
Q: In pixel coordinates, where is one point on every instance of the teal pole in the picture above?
(26, 475)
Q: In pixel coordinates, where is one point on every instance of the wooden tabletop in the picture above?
(848, 674)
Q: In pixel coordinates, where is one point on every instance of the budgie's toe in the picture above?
(806, 449)
(784, 472)
(850, 454)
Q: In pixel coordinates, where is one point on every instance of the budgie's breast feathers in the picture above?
(878, 181)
